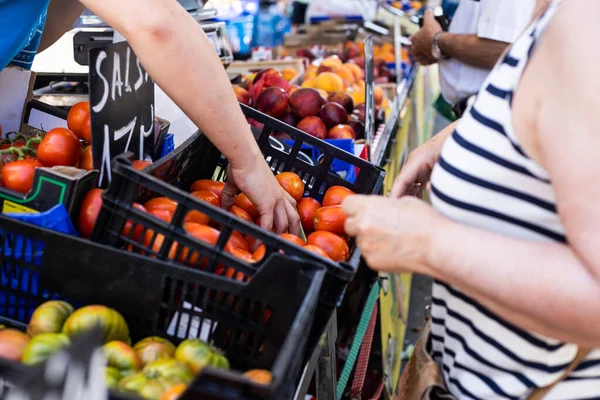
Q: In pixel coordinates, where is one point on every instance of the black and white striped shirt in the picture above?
(485, 179)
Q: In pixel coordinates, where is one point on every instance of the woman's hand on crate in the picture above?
(276, 207)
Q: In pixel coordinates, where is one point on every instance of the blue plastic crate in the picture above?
(168, 145)
(343, 169)
(19, 278)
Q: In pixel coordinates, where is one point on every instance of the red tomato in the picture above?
(238, 212)
(140, 164)
(335, 247)
(231, 271)
(205, 234)
(162, 203)
(78, 115)
(18, 175)
(60, 146)
(86, 162)
(316, 250)
(330, 219)
(259, 254)
(242, 201)
(243, 255)
(88, 214)
(335, 195)
(86, 132)
(207, 196)
(197, 217)
(292, 238)
(291, 183)
(129, 225)
(237, 241)
(161, 213)
(307, 207)
(211, 186)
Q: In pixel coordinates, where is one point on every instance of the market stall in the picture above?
(118, 262)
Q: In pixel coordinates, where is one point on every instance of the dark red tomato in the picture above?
(141, 164)
(293, 239)
(330, 219)
(207, 196)
(129, 225)
(86, 161)
(207, 184)
(18, 175)
(335, 247)
(307, 208)
(86, 132)
(60, 146)
(242, 201)
(78, 115)
(291, 183)
(162, 203)
(90, 208)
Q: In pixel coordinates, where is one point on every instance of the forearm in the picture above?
(180, 58)
(472, 50)
(539, 286)
(62, 14)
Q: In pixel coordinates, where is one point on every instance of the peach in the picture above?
(356, 70)
(360, 112)
(265, 72)
(326, 68)
(242, 95)
(309, 83)
(290, 119)
(313, 126)
(306, 102)
(273, 101)
(292, 89)
(346, 74)
(329, 82)
(341, 132)
(333, 62)
(323, 93)
(343, 99)
(358, 96)
(289, 73)
(379, 95)
(311, 72)
(357, 126)
(333, 114)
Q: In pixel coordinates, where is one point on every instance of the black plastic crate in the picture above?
(198, 158)
(247, 320)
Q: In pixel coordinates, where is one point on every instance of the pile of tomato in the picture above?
(323, 223)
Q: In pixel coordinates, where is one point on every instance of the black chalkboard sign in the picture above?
(122, 104)
(75, 373)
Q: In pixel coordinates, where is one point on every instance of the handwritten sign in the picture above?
(122, 103)
(74, 373)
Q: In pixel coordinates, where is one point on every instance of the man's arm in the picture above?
(472, 50)
(62, 14)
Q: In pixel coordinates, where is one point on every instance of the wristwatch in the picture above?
(436, 52)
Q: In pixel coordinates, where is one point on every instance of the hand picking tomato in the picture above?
(211, 186)
(88, 214)
(60, 146)
(330, 219)
(291, 183)
(317, 250)
(307, 207)
(77, 117)
(207, 196)
(335, 195)
(242, 201)
(18, 175)
(293, 239)
(86, 161)
(335, 247)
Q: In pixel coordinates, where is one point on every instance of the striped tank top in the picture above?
(485, 179)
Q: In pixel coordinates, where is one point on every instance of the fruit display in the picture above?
(153, 368)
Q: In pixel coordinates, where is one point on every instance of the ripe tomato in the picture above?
(129, 225)
(259, 254)
(203, 233)
(140, 164)
(231, 271)
(60, 146)
(18, 175)
(161, 213)
(77, 117)
(335, 195)
(207, 196)
(162, 203)
(88, 214)
(86, 162)
(335, 247)
(316, 250)
(238, 212)
(237, 241)
(291, 183)
(86, 132)
(242, 201)
(307, 207)
(197, 217)
(293, 239)
(211, 186)
(330, 219)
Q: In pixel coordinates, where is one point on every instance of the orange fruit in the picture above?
(329, 82)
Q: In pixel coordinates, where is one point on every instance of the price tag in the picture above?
(122, 104)
(74, 373)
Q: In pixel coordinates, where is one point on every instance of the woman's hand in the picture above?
(276, 207)
(394, 235)
(414, 175)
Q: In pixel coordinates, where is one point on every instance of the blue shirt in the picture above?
(21, 26)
